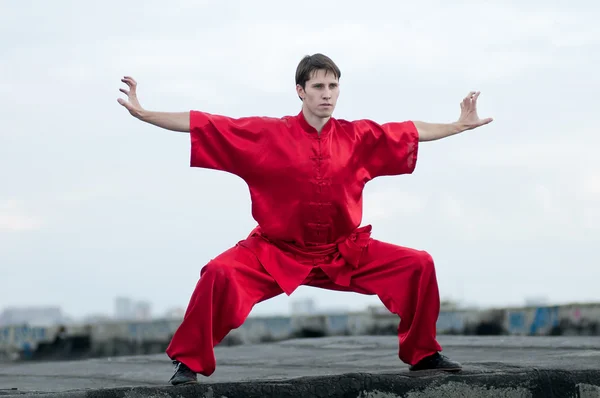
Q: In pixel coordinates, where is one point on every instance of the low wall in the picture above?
(30, 342)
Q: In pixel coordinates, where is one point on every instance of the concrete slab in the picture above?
(360, 367)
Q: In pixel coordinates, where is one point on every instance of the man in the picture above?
(306, 175)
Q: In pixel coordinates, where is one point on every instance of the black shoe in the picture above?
(437, 361)
(183, 375)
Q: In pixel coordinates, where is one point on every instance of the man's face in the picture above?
(320, 93)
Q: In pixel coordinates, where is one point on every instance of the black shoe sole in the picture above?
(185, 383)
(452, 370)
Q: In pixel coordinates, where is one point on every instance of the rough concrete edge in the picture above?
(542, 383)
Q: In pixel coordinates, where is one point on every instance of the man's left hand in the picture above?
(469, 119)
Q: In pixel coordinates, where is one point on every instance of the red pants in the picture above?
(232, 283)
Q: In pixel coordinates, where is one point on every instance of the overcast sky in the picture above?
(95, 204)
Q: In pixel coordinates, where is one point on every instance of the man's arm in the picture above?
(468, 120)
(436, 131)
(235, 145)
(174, 121)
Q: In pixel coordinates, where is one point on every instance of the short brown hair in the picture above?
(311, 63)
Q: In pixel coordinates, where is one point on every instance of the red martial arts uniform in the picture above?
(306, 190)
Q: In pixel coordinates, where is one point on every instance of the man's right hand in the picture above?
(176, 121)
(131, 104)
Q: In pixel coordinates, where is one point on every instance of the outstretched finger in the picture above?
(483, 122)
(125, 104)
(126, 92)
(129, 80)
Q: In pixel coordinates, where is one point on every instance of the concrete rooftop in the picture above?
(359, 367)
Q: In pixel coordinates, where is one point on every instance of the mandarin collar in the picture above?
(310, 129)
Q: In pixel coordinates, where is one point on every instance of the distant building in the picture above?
(302, 306)
(34, 316)
(96, 318)
(123, 308)
(129, 309)
(449, 305)
(536, 301)
(175, 313)
(142, 310)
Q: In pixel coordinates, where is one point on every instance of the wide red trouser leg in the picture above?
(405, 281)
(229, 286)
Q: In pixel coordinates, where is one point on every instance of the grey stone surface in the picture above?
(358, 367)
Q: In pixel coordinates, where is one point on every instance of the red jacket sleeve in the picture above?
(227, 144)
(388, 149)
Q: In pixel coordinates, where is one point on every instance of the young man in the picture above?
(306, 175)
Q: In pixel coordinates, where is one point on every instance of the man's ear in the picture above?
(300, 92)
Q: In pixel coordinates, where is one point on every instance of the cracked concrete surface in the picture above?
(360, 366)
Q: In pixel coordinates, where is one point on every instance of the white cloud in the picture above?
(528, 149)
(464, 222)
(15, 218)
(591, 219)
(381, 205)
(546, 200)
(86, 193)
(590, 186)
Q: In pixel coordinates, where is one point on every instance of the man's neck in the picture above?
(315, 121)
